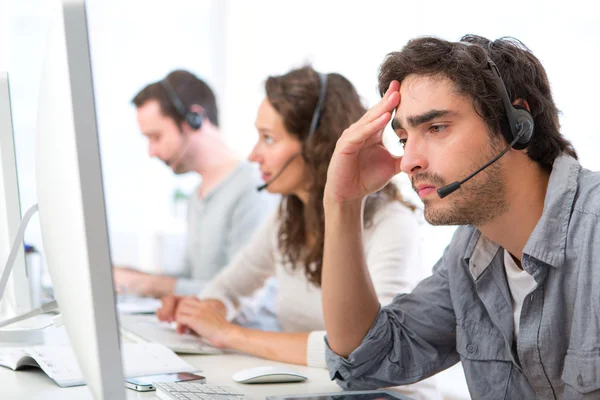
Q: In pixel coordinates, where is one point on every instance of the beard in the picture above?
(476, 203)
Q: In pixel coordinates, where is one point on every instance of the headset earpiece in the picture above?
(192, 118)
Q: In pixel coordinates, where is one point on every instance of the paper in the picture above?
(60, 364)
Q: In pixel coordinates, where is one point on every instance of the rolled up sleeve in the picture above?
(411, 339)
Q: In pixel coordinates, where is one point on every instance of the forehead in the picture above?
(268, 117)
(420, 94)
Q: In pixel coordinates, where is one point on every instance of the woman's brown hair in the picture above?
(294, 96)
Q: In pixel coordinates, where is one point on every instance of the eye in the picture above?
(268, 139)
(403, 142)
(437, 128)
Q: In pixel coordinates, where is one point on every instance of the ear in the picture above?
(199, 109)
(523, 103)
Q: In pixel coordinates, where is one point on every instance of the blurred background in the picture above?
(234, 45)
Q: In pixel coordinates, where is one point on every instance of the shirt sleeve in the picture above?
(392, 251)
(189, 287)
(248, 271)
(411, 339)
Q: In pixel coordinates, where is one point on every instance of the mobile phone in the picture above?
(144, 383)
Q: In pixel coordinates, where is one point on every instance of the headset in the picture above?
(519, 120)
(314, 123)
(517, 127)
(193, 118)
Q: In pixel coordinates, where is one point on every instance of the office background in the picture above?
(235, 45)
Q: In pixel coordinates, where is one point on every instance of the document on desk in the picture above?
(60, 364)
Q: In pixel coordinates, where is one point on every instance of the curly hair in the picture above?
(522, 73)
(294, 96)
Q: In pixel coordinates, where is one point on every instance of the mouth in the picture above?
(265, 176)
(425, 190)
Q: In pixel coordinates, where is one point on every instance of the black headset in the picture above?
(519, 122)
(193, 118)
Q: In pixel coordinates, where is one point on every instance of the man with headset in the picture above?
(179, 117)
(516, 294)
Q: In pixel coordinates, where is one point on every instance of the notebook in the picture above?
(60, 364)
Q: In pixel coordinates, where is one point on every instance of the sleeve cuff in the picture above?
(315, 350)
(374, 347)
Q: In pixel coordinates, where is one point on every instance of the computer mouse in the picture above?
(269, 374)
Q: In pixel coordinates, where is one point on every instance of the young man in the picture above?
(179, 117)
(515, 297)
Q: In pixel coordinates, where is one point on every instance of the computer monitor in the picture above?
(16, 299)
(71, 203)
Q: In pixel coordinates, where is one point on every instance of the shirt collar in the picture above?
(548, 240)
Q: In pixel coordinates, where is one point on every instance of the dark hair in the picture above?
(294, 96)
(523, 75)
(190, 90)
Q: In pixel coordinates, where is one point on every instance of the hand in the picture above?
(360, 164)
(128, 280)
(166, 313)
(206, 318)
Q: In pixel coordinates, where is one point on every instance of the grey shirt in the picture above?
(463, 312)
(220, 224)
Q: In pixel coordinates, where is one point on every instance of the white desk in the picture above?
(34, 384)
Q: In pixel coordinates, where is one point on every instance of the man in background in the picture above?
(179, 117)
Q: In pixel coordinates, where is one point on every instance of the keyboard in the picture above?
(146, 328)
(196, 391)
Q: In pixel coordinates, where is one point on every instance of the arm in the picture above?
(208, 321)
(129, 280)
(411, 339)
(248, 271)
(360, 165)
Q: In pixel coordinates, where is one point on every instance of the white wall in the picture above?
(270, 37)
(236, 44)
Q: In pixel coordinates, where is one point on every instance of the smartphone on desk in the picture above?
(145, 383)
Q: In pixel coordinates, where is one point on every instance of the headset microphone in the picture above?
(451, 188)
(517, 127)
(285, 165)
(311, 130)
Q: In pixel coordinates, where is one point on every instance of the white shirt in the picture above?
(391, 242)
(520, 284)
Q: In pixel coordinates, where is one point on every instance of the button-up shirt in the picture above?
(463, 312)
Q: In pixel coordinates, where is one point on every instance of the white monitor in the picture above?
(71, 203)
(16, 299)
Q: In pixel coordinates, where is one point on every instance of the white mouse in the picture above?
(271, 374)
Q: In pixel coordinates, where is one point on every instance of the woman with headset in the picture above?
(299, 122)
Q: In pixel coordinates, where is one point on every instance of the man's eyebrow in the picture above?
(416, 120)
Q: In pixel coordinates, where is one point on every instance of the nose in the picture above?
(414, 159)
(255, 155)
(153, 150)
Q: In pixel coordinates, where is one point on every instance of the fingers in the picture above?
(169, 306)
(361, 135)
(388, 103)
(182, 328)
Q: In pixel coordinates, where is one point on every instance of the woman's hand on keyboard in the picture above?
(169, 306)
(206, 318)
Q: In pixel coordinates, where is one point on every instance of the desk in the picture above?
(34, 384)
